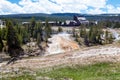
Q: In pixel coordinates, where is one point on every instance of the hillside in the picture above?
(61, 16)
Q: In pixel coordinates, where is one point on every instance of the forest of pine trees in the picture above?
(14, 35)
(94, 35)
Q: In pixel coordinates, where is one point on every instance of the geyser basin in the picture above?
(60, 43)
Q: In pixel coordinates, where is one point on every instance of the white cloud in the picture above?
(95, 3)
(7, 8)
(39, 6)
(112, 9)
(56, 6)
(95, 11)
(78, 5)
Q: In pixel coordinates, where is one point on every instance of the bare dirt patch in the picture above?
(85, 56)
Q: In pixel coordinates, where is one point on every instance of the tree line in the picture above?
(13, 36)
(93, 35)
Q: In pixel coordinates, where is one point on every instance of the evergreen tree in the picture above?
(1, 42)
(20, 38)
(73, 32)
(33, 23)
(40, 30)
(99, 40)
(99, 33)
(91, 34)
(60, 29)
(35, 32)
(106, 37)
(111, 39)
(82, 32)
(20, 33)
(4, 33)
(86, 41)
(48, 30)
(14, 48)
(95, 35)
(24, 36)
(38, 39)
(76, 37)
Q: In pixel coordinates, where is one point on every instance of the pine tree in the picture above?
(98, 33)
(99, 40)
(94, 35)
(35, 32)
(14, 48)
(91, 34)
(60, 29)
(38, 39)
(82, 32)
(24, 36)
(106, 37)
(48, 29)
(20, 38)
(86, 41)
(40, 30)
(1, 44)
(33, 23)
(76, 37)
(111, 38)
(73, 32)
(4, 33)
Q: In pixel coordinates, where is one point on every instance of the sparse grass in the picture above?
(99, 71)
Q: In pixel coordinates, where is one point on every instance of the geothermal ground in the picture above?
(60, 43)
(63, 51)
(84, 56)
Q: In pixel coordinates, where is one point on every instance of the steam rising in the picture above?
(115, 34)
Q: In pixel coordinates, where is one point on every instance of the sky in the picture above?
(59, 6)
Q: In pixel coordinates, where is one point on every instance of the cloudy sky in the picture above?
(59, 6)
